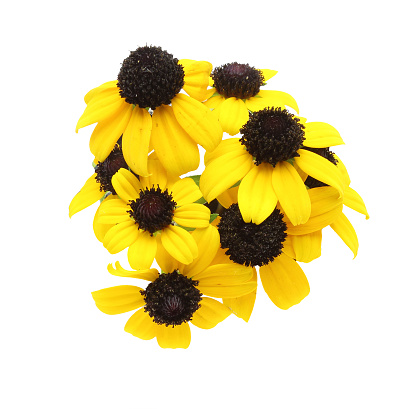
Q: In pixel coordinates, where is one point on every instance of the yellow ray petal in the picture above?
(179, 244)
(87, 195)
(346, 232)
(288, 247)
(307, 247)
(177, 152)
(233, 115)
(178, 336)
(268, 74)
(324, 199)
(192, 215)
(227, 198)
(94, 91)
(141, 325)
(224, 171)
(214, 102)
(196, 78)
(343, 170)
(231, 291)
(120, 236)
(353, 200)
(165, 261)
(142, 252)
(224, 147)
(242, 306)
(197, 121)
(321, 135)
(136, 141)
(266, 98)
(150, 274)
(102, 106)
(284, 282)
(107, 132)
(210, 313)
(126, 185)
(208, 243)
(291, 193)
(224, 275)
(119, 299)
(157, 177)
(113, 211)
(256, 197)
(320, 168)
(185, 191)
(101, 229)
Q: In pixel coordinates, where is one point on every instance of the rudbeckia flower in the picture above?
(179, 295)
(148, 213)
(99, 184)
(236, 91)
(265, 245)
(263, 159)
(151, 78)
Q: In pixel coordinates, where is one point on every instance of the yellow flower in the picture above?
(99, 184)
(150, 78)
(263, 161)
(175, 297)
(236, 91)
(271, 245)
(148, 213)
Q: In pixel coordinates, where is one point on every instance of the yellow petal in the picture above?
(196, 78)
(208, 243)
(256, 197)
(179, 244)
(231, 291)
(197, 121)
(178, 336)
(266, 98)
(324, 199)
(120, 236)
(143, 251)
(320, 168)
(242, 306)
(345, 230)
(185, 191)
(141, 325)
(223, 172)
(192, 215)
(353, 200)
(116, 300)
(157, 177)
(87, 195)
(113, 211)
(100, 229)
(107, 132)
(210, 313)
(177, 152)
(230, 196)
(288, 247)
(94, 91)
(268, 74)
(291, 193)
(101, 107)
(321, 135)
(224, 275)
(150, 274)
(126, 185)
(233, 115)
(343, 170)
(165, 261)
(284, 282)
(224, 147)
(307, 247)
(214, 102)
(136, 140)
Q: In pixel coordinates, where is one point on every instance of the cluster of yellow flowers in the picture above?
(269, 187)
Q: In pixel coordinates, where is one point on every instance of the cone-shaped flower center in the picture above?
(172, 299)
(106, 169)
(248, 243)
(150, 77)
(237, 80)
(153, 210)
(272, 135)
(311, 182)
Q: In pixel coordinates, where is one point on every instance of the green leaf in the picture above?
(201, 200)
(196, 179)
(213, 217)
(236, 184)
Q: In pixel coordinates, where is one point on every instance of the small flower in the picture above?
(236, 91)
(148, 213)
(179, 295)
(151, 78)
(264, 160)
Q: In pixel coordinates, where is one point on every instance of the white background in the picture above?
(352, 343)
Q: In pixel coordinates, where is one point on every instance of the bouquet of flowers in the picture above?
(270, 185)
